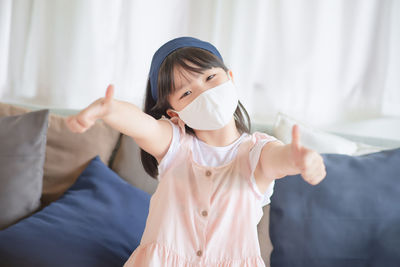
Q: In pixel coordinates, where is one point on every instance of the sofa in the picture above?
(71, 199)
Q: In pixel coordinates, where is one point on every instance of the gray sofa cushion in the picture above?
(128, 165)
(22, 155)
(68, 153)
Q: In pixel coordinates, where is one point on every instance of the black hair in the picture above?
(202, 60)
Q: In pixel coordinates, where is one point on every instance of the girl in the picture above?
(214, 176)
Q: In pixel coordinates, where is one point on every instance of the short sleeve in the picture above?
(261, 139)
(173, 147)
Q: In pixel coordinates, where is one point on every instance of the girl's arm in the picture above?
(153, 136)
(278, 160)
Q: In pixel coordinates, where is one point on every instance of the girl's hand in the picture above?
(309, 163)
(85, 119)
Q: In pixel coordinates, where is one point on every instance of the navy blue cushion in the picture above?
(352, 218)
(98, 222)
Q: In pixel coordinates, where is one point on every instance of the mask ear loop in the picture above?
(180, 123)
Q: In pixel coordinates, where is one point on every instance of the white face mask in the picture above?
(212, 109)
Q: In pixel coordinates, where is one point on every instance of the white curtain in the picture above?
(319, 61)
(64, 53)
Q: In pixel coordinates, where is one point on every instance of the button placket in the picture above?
(204, 212)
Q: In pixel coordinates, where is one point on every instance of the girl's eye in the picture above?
(185, 94)
(210, 77)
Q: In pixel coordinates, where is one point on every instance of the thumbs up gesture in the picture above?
(309, 163)
(86, 118)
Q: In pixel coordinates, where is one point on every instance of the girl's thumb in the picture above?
(296, 137)
(109, 93)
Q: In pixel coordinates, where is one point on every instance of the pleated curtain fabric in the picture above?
(325, 61)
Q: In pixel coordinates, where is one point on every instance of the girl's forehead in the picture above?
(182, 77)
(180, 73)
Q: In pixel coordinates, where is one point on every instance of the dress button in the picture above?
(199, 253)
(204, 213)
(208, 173)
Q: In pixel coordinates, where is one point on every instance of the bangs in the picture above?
(199, 60)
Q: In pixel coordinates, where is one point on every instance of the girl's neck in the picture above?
(221, 137)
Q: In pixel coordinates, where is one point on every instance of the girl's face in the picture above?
(190, 85)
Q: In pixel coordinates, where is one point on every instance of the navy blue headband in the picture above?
(167, 49)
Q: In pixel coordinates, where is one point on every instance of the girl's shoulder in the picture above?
(179, 137)
(260, 136)
(257, 139)
(177, 124)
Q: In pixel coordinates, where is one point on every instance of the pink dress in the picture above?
(204, 216)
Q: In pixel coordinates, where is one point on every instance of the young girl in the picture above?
(214, 176)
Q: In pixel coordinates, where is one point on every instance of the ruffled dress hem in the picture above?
(157, 255)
